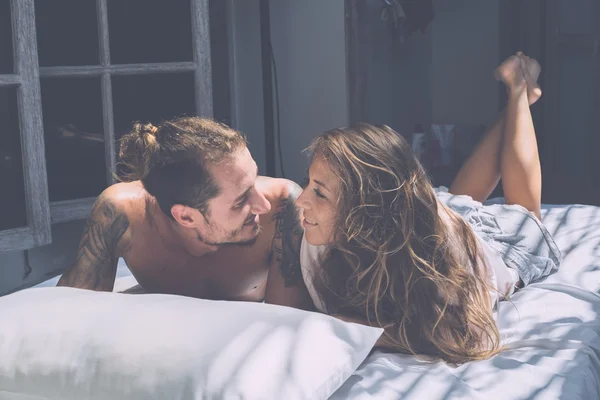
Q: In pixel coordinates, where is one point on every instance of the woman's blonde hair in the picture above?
(393, 260)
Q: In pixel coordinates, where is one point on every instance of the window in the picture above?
(25, 219)
(70, 87)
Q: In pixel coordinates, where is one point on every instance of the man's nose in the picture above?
(260, 204)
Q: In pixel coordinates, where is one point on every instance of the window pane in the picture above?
(151, 98)
(144, 31)
(6, 45)
(67, 32)
(74, 136)
(12, 200)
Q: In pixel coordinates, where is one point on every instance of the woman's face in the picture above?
(319, 203)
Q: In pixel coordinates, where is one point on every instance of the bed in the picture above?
(551, 331)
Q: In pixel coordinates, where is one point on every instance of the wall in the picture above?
(442, 75)
(308, 39)
(246, 76)
(465, 52)
(575, 60)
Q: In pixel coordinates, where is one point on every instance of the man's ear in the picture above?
(186, 216)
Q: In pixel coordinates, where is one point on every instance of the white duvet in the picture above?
(551, 330)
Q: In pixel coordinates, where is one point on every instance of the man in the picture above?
(192, 217)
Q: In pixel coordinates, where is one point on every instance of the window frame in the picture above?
(37, 231)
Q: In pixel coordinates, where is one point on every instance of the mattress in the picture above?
(551, 330)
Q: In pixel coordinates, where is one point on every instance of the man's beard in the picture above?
(230, 241)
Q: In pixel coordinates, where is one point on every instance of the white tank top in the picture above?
(499, 277)
(309, 262)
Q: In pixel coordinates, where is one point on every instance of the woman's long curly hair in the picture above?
(393, 260)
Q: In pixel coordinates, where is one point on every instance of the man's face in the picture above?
(233, 215)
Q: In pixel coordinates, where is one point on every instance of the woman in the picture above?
(382, 247)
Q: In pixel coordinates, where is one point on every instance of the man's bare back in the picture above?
(127, 222)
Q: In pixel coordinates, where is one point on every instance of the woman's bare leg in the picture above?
(481, 172)
(519, 160)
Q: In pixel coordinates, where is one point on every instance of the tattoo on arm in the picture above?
(285, 248)
(96, 260)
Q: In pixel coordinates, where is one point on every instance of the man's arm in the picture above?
(285, 285)
(100, 247)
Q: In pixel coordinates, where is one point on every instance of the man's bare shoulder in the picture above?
(129, 197)
(125, 193)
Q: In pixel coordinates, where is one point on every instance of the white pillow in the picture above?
(64, 343)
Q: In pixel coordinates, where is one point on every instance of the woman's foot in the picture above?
(520, 71)
(532, 70)
(512, 74)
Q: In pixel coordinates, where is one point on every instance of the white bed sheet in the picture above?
(552, 331)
